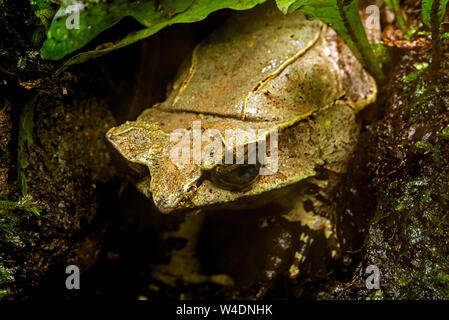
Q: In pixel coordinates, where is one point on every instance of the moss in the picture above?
(421, 245)
(420, 234)
(422, 93)
(434, 150)
(426, 103)
(408, 160)
(407, 202)
(68, 165)
(6, 277)
(378, 295)
(414, 75)
(11, 238)
(445, 132)
(9, 226)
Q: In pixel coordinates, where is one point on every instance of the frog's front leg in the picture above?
(184, 264)
(303, 240)
(283, 244)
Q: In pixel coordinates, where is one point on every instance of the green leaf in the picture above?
(427, 11)
(40, 4)
(287, 6)
(394, 5)
(343, 16)
(38, 37)
(25, 139)
(412, 76)
(95, 18)
(75, 24)
(44, 10)
(433, 12)
(6, 205)
(24, 204)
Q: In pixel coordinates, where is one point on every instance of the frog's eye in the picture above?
(234, 177)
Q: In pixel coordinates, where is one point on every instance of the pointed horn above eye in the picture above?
(137, 141)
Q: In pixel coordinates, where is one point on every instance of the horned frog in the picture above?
(293, 82)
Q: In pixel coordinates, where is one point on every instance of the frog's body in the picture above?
(261, 70)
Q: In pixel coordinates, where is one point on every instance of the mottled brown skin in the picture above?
(260, 70)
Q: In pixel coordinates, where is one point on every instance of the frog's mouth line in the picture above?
(272, 198)
(188, 201)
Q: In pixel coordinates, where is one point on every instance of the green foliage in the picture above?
(445, 132)
(394, 5)
(25, 139)
(153, 15)
(24, 204)
(412, 30)
(44, 10)
(40, 4)
(427, 7)
(343, 16)
(424, 96)
(381, 53)
(6, 277)
(435, 151)
(66, 34)
(420, 226)
(412, 76)
(433, 12)
(288, 6)
(38, 37)
(9, 235)
(376, 296)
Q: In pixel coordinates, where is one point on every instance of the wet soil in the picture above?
(407, 162)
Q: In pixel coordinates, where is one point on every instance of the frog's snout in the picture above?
(170, 206)
(165, 209)
(177, 202)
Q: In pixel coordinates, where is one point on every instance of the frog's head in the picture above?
(187, 173)
(207, 161)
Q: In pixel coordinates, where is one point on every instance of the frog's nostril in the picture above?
(191, 189)
(192, 186)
